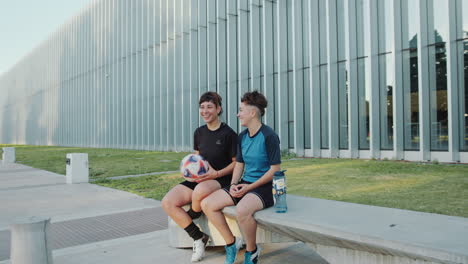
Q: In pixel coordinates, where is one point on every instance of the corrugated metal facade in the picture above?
(357, 78)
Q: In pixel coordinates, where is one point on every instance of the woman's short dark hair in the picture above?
(256, 99)
(213, 97)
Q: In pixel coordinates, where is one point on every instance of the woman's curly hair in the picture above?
(255, 99)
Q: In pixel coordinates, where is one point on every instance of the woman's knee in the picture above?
(199, 193)
(209, 204)
(166, 203)
(176, 197)
(203, 190)
(205, 205)
(242, 213)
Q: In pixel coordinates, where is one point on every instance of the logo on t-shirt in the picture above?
(218, 142)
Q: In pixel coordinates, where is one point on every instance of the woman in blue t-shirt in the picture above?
(258, 158)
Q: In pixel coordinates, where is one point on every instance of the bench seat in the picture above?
(353, 233)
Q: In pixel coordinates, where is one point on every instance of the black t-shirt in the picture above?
(217, 147)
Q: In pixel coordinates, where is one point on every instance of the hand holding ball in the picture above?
(192, 166)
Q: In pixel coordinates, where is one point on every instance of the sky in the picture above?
(24, 24)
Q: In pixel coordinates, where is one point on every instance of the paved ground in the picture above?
(94, 224)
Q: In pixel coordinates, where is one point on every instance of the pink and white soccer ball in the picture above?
(192, 166)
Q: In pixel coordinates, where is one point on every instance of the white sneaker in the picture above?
(199, 248)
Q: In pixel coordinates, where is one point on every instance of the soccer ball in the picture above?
(192, 166)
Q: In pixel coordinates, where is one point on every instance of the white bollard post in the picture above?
(9, 155)
(77, 168)
(30, 243)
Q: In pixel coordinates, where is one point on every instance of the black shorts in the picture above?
(264, 192)
(223, 181)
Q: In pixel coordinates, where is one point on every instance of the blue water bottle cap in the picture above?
(280, 173)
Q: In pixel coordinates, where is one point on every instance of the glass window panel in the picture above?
(438, 94)
(412, 13)
(464, 80)
(324, 105)
(307, 109)
(464, 124)
(441, 21)
(292, 121)
(363, 97)
(323, 32)
(439, 114)
(411, 102)
(386, 101)
(465, 17)
(360, 27)
(366, 21)
(386, 25)
(343, 104)
(340, 14)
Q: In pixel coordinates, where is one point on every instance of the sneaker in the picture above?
(231, 251)
(252, 257)
(199, 248)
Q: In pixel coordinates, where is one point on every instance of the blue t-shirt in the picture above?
(258, 153)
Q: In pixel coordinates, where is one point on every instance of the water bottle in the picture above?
(279, 191)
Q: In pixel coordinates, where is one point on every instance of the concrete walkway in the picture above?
(94, 224)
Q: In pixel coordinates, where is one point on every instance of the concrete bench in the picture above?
(354, 233)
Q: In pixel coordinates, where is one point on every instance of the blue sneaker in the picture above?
(231, 251)
(252, 257)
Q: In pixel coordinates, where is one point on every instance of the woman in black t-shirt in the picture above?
(217, 143)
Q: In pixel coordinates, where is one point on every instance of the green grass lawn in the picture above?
(102, 162)
(426, 187)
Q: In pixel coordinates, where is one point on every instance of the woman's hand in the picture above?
(210, 175)
(239, 190)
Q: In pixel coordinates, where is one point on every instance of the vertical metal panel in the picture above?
(398, 91)
(372, 77)
(194, 64)
(332, 55)
(231, 104)
(211, 40)
(187, 102)
(164, 71)
(150, 75)
(255, 42)
(127, 71)
(453, 90)
(202, 47)
(243, 50)
(298, 76)
(282, 64)
(157, 76)
(268, 61)
(178, 85)
(423, 73)
(171, 75)
(314, 77)
(145, 76)
(221, 54)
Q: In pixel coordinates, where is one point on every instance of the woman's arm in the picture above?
(241, 189)
(237, 174)
(213, 174)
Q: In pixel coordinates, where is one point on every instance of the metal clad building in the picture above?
(344, 78)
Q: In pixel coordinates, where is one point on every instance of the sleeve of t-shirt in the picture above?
(273, 149)
(196, 140)
(239, 157)
(233, 144)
